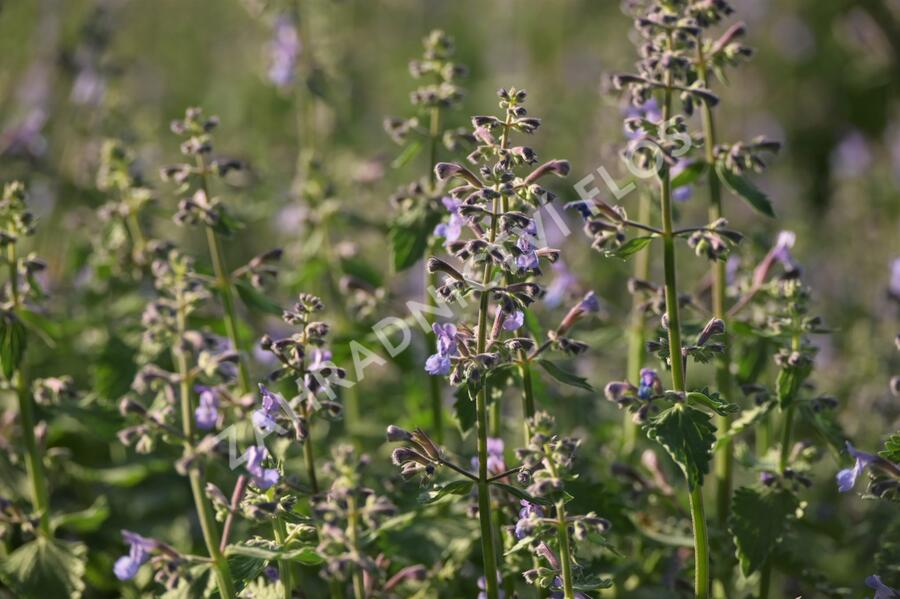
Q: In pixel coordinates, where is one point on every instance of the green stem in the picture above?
(308, 456)
(725, 456)
(636, 331)
(34, 461)
(223, 281)
(765, 579)
(786, 439)
(701, 545)
(359, 590)
(562, 531)
(434, 383)
(284, 567)
(698, 518)
(527, 393)
(484, 495)
(198, 484)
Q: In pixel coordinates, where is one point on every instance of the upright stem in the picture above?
(562, 532)
(359, 589)
(284, 567)
(201, 504)
(698, 518)
(527, 393)
(636, 331)
(223, 281)
(434, 383)
(308, 452)
(725, 456)
(34, 461)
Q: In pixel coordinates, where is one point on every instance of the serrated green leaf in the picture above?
(45, 568)
(563, 376)
(13, 337)
(714, 402)
(789, 381)
(891, 449)
(456, 487)
(688, 437)
(255, 300)
(744, 188)
(409, 236)
(689, 174)
(759, 518)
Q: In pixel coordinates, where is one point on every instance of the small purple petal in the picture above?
(438, 365)
(514, 321)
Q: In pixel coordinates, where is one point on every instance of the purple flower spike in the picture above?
(513, 321)
(439, 364)
(882, 591)
(127, 566)
(846, 478)
(207, 413)
(528, 260)
(263, 478)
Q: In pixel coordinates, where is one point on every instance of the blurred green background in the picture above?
(825, 81)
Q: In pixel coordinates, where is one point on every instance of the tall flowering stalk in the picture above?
(208, 211)
(17, 223)
(422, 202)
(172, 413)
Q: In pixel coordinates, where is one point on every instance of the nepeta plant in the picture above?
(422, 203)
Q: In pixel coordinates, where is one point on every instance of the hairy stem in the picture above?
(223, 281)
(34, 461)
(308, 456)
(201, 503)
(698, 518)
(284, 567)
(359, 590)
(636, 331)
(562, 532)
(725, 455)
(527, 393)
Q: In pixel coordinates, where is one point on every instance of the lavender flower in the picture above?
(127, 566)
(882, 591)
(894, 285)
(561, 284)
(846, 478)
(283, 52)
(649, 384)
(528, 259)
(263, 478)
(528, 513)
(264, 418)
(439, 364)
(207, 413)
(513, 321)
(452, 229)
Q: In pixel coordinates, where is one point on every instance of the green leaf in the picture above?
(759, 518)
(564, 376)
(267, 550)
(891, 449)
(45, 568)
(714, 402)
(745, 421)
(688, 436)
(409, 152)
(747, 190)
(255, 300)
(690, 174)
(47, 330)
(517, 492)
(13, 339)
(87, 520)
(362, 270)
(592, 583)
(632, 246)
(464, 410)
(789, 381)
(456, 487)
(409, 236)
